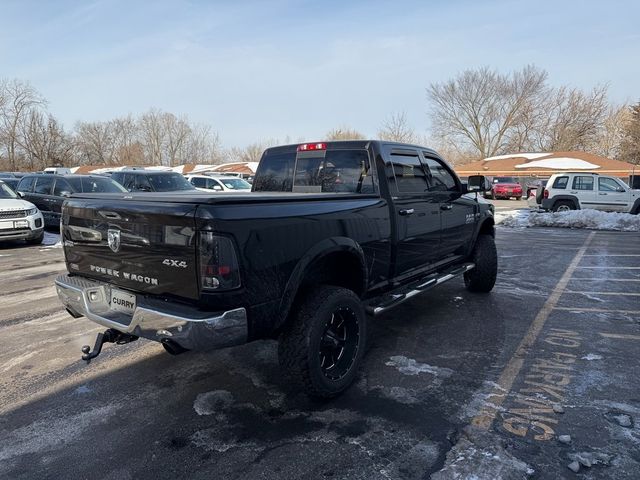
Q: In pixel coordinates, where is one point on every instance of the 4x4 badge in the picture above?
(113, 239)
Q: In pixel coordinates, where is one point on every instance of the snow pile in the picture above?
(591, 219)
(528, 156)
(51, 240)
(560, 163)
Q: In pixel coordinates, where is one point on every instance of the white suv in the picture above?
(577, 190)
(209, 183)
(19, 219)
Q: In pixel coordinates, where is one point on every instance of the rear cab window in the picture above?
(341, 170)
(406, 172)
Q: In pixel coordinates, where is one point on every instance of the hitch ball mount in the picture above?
(108, 336)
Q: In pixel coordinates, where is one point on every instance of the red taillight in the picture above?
(307, 147)
(546, 193)
(218, 263)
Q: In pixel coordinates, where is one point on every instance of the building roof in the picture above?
(545, 165)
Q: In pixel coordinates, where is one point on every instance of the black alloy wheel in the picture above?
(339, 343)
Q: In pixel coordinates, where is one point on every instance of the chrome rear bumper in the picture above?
(155, 320)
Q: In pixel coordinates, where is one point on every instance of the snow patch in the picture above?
(51, 240)
(52, 433)
(592, 356)
(528, 156)
(560, 163)
(591, 219)
(408, 366)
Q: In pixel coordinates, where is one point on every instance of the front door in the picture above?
(612, 196)
(458, 213)
(417, 213)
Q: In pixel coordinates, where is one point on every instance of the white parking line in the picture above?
(602, 279)
(612, 268)
(624, 294)
(493, 403)
(578, 309)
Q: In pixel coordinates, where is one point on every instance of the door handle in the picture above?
(406, 211)
(575, 191)
(446, 206)
(601, 193)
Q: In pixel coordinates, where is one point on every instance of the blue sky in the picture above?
(271, 69)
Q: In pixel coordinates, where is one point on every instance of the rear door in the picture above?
(146, 247)
(457, 212)
(417, 212)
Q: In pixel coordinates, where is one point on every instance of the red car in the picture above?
(505, 187)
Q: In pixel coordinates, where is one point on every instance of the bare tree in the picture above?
(152, 136)
(344, 133)
(95, 143)
(572, 119)
(611, 132)
(482, 108)
(18, 100)
(397, 129)
(630, 145)
(250, 153)
(44, 141)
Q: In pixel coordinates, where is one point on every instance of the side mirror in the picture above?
(217, 188)
(478, 183)
(65, 193)
(621, 189)
(20, 194)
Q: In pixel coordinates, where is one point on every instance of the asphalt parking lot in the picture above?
(455, 385)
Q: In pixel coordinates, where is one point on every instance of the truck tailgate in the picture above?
(147, 247)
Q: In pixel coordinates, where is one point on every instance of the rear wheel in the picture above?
(563, 206)
(323, 347)
(482, 278)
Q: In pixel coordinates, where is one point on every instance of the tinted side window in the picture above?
(199, 182)
(61, 186)
(44, 184)
(118, 177)
(409, 175)
(583, 183)
(560, 182)
(608, 185)
(141, 182)
(441, 179)
(26, 184)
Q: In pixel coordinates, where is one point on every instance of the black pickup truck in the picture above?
(331, 234)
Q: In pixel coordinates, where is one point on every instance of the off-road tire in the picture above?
(36, 241)
(482, 278)
(558, 206)
(299, 348)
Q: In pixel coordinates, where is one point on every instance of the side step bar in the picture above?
(390, 300)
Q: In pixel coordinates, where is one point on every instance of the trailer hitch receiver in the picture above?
(108, 336)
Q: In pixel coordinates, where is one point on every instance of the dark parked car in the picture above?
(330, 232)
(151, 181)
(47, 192)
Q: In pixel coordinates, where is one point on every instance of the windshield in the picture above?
(100, 185)
(6, 192)
(169, 182)
(235, 183)
(504, 180)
